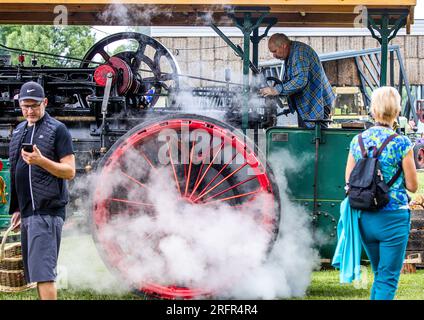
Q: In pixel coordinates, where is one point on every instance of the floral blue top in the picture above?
(390, 160)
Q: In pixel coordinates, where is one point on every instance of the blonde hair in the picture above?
(385, 104)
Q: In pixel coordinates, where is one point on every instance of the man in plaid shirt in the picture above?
(305, 84)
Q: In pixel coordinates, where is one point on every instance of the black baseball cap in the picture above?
(31, 91)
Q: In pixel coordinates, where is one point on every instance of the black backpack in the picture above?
(367, 189)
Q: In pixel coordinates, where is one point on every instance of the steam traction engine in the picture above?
(117, 106)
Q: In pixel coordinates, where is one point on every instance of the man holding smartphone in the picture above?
(39, 191)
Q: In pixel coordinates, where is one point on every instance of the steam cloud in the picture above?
(219, 249)
(117, 13)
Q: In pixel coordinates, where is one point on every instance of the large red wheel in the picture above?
(419, 155)
(136, 159)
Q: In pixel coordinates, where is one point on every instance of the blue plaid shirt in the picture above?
(305, 83)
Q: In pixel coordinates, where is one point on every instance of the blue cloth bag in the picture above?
(347, 256)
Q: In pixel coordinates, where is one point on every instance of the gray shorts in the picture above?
(40, 237)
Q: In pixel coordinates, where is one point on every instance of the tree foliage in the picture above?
(72, 41)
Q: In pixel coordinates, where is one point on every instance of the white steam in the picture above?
(119, 14)
(217, 248)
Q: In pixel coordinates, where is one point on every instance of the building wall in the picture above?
(209, 56)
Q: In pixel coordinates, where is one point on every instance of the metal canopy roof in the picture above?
(290, 13)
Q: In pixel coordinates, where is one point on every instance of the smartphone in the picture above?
(27, 147)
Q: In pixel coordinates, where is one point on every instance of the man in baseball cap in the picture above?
(32, 101)
(32, 91)
(38, 183)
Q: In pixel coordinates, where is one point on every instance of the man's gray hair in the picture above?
(278, 39)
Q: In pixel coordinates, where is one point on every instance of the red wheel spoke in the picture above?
(137, 203)
(189, 168)
(204, 154)
(135, 180)
(197, 179)
(147, 159)
(203, 193)
(235, 197)
(207, 169)
(183, 152)
(197, 183)
(202, 165)
(173, 169)
(230, 188)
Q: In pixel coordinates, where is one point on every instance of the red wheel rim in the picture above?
(420, 158)
(187, 185)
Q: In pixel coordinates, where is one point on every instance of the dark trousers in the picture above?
(327, 112)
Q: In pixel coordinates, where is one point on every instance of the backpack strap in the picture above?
(395, 177)
(378, 152)
(399, 171)
(361, 145)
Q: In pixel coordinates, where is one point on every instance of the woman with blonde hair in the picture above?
(385, 233)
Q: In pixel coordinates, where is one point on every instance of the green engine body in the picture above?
(299, 144)
(4, 193)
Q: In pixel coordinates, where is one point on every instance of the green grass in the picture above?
(325, 285)
(70, 294)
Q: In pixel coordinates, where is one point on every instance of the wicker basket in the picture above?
(12, 277)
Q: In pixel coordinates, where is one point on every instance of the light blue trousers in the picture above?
(385, 237)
